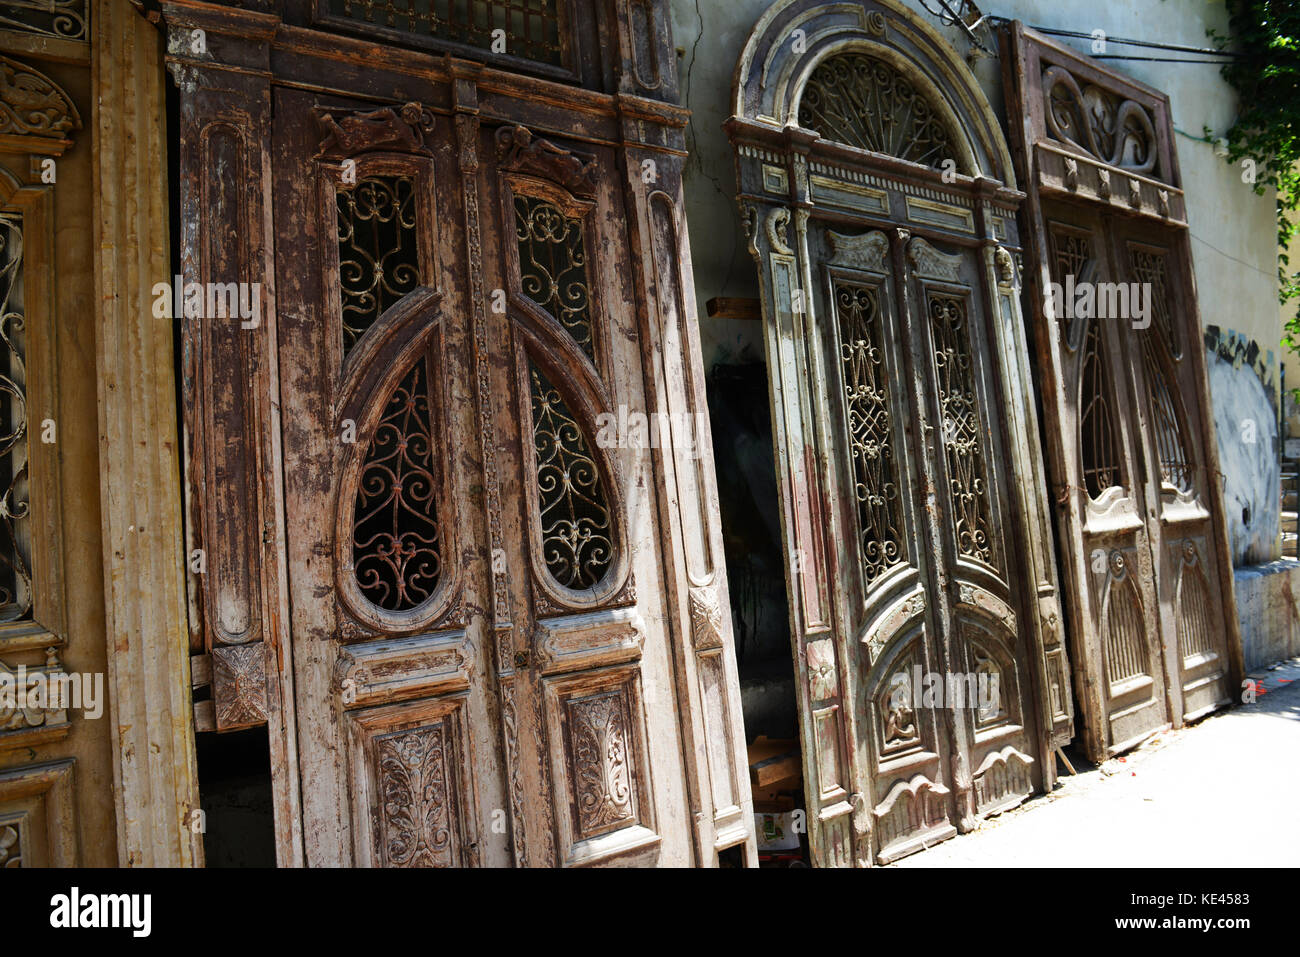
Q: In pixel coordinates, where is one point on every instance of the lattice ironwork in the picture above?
(378, 255)
(530, 29)
(967, 475)
(1099, 453)
(15, 507)
(577, 541)
(881, 542)
(1159, 353)
(856, 99)
(1149, 267)
(395, 539)
(65, 19)
(553, 266)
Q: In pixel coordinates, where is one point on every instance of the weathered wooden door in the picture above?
(919, 560)
(1130, 436)
(480, 661)
(920, 481)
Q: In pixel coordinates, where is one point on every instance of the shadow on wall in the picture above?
(742, 445)
(1245, 421)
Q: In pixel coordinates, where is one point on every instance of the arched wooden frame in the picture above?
(773, 71)
(795, 186)
(542, 339)
(584, 397)
(409, 332)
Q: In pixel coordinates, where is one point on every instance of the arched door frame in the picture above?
(788, 175)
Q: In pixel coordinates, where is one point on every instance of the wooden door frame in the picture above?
(629, 104)
(784, 173)
(1076, 175)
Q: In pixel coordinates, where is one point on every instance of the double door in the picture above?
(480, 669)
(1135, 484)
(914, 597)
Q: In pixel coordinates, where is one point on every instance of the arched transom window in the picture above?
(865, 102)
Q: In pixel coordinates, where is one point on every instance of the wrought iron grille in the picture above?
(576, 530)
(15, 508)
(65, 19)
(1159, 353)
(395, 541)
(881, 543)
(1098, 439)
(378, 258)
(528, 28)
(959, 411)
(856, 99)
(553, 266)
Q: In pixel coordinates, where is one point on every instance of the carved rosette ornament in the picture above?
(706, 620)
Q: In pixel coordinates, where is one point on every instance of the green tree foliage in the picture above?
(1265, 35)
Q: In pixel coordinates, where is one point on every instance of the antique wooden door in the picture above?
(918, 561)
(484, 619)
(421, 463)
(1130, 435)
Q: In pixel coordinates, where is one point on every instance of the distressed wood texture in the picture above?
(910, 475)
(495, 624)
(1131, 448)
(155, 777)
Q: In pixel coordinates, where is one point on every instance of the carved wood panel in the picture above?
(1131, 443)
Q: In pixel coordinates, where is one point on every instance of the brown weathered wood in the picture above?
(1147, 561)
(539, 705)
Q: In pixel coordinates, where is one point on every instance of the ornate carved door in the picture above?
(483, 619)
(1131, 442)
(907, 458)
(452, 327)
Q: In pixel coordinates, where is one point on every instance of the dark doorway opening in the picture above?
(235, 797)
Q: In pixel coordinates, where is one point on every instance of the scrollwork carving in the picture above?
(521, 152)
(33, 105)
(348, 134)
(1119, 132)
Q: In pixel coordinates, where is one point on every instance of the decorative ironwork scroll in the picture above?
(856, 99)
(553, 266)
(15, 508)
(576, 531)
(531, 28)
(967, 476)
(378, 258)
(395, 542)
(881, 543)
(64, 19)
